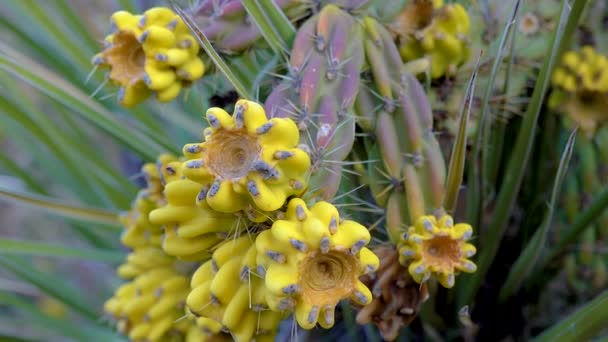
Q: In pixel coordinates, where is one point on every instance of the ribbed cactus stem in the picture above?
(587, 247)
(395, 217)
(395, 108)
(365, 108)
(589, 165)
(386, 134)
(415, 197)
(320, 92)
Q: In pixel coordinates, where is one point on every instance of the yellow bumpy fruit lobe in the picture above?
(155, 182)
(247, 162)
(139, 231)
(191, 229)
(311, 260)
(580, 85)
(144, 259)
(150, 53)
(437, 247)
(147, 308)
(429, 29)
(227, 295)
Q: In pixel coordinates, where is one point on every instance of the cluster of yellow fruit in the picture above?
(429, 29)
(580, 91)
(223, 239)
(147, 54)
(150, 305)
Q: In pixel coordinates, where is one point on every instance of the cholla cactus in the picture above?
(581, 88)
(311, 260)
(153, 53)
(247, 161)
(437, 247)
(237, 201)
(429, 29)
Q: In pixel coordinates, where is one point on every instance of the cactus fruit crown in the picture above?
(247, 161)
(437, 247)
(150, 53)
(581, 88)
(430, 29)
(311, 260)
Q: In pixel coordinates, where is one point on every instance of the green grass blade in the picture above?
(36, 50)
(458, 156)
(9, 338)
(240, 85)
(127, 5)
(494, 150)
(63, 328)
(475, 179)
(571, 233)
(65, 93)
(20, 247)
(281, 23)
(93, 177)
(523, 266)
(65, 163)
(515, 169)
(581, 325)
(55, 287)
(272, 23)
(60, 208)
(24, 175)
(31, 12)
(76, 24)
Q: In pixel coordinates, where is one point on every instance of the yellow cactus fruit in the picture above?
(247, 162)
(311, 260)
(580, 88)
(139, 231)
(147, 308)
(153, 53)
(191, 230)
(437, 247)
(144, 259)
(155, 174)
(440, 33)
(52, 307)
(227, 294)
(196, 334)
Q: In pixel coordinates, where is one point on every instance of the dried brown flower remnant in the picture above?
(397, 298)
